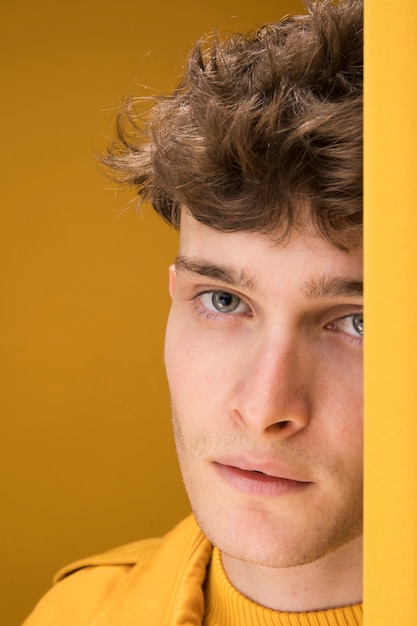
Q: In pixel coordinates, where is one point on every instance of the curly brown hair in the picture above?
(260, 126)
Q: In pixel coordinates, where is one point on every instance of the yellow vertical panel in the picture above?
(391, 310)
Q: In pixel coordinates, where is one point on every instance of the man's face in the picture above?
(264, 363)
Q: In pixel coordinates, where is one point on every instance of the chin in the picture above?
(264, 539)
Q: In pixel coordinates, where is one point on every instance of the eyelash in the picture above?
(203, 311)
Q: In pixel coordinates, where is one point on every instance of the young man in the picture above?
(256, 158)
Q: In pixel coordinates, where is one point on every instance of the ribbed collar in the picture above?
(225, 606)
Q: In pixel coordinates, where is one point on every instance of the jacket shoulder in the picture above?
(83, 588)
(125, 556)
(153, 577)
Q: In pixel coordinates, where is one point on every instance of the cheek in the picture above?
(197, 377)
(180, 352)
(195, 360)
(337, 409)
(187, 372)
(340, 389)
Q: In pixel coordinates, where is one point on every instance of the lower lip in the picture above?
(257, 484)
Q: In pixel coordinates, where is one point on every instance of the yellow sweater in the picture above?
(156, 582)
(227, 607)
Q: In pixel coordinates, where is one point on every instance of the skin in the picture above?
(264, 363)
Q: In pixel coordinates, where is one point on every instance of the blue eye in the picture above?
(224, 301)
(357, 322)
(350, 325)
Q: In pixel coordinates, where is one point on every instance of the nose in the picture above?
(273, 390)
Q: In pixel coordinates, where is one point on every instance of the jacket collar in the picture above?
(177, 571)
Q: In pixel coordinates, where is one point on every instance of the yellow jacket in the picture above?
(155, 582)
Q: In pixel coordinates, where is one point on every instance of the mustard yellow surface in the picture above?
(391, 313)
(87, 460)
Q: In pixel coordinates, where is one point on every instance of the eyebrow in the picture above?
(315, 287)
(331, 287)
(225, 273)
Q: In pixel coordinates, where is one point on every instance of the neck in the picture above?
(333, 581)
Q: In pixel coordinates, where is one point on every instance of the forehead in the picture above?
(303, 253)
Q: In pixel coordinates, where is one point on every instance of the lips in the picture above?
(269, 481)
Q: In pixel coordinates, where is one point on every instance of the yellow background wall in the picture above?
(391, 313)
(87, 460)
